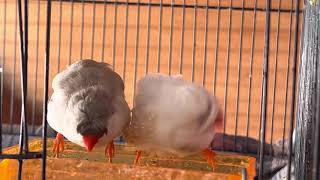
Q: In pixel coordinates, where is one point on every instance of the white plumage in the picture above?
(172, 116)
(92, 93)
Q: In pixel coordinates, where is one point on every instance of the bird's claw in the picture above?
(210, 156)
(109, 150)
(136, 160)
(58, 145)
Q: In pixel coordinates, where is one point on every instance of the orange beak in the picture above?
(90, 141)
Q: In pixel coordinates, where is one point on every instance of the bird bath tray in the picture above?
(76, 163)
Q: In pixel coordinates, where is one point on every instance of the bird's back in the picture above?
(86, 73)
(170, 113)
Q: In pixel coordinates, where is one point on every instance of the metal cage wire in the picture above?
(216, 44)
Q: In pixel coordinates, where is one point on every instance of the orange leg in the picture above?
(210, 156)
(110, 151)
(136, 160)
(58, 145)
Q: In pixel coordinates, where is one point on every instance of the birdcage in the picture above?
(247, 53)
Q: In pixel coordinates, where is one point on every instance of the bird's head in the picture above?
(92, 109)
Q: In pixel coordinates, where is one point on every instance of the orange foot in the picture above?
(109, 150)
(210, 156)
(58, 145)
(136, 160)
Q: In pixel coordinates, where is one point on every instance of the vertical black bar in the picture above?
(136, 54)
(293, 95)
(125, 42)
(182, 36)
(170, 39)
(159, 37)
(265, 89)
(45, 101)
(250, 72)
(239, 77)
(194, 40)
(24, 80)
(26, 56)
(104, 29)
(71, 32)
(275, 76)
(82, 28)
(114, 34)
(260, 115)
(227, 73)
(13, 85)
(204, 67)
(34, 110)
(216, 50)
(93, 28)
(2, 66)
(24, 85)
(22, 58)
(148, 38)
(287, 79)
(59, 34)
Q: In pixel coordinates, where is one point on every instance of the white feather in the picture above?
(83, 74)
(171, 115)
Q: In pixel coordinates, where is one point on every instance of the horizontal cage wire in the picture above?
(218, 44)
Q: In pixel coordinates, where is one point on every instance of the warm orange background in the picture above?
(9, 58)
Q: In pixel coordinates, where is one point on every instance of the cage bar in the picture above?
(148, 38)
(82, 28)
(46, 86)
(239, 77)
(104, 30)
(93, 27)
(159, 37)
(287, 79)
(250, 73)
(170, 38)
(275, 75)
(204, 67)
(59, 35)
(13, 85)
(182, 36)
(216, 52)
(194, 39)
(125, 43)
(114, 34)
(136, 53)
(264, 89)
(2, 69)
(227, 73)
(71, 32)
